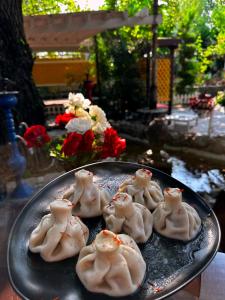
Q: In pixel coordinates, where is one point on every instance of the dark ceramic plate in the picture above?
(170, 264)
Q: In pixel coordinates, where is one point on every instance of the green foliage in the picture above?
(119, 72)
(220, 98)
(136, 5)
(44, 7)
(200, 24)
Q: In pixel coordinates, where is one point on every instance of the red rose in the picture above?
(63, 119)
(193, 101)
(87, 141)
(113, 145)
(72, 143)
(36, 136)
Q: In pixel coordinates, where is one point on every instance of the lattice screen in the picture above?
(163, 77)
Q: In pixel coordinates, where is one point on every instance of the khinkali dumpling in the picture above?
(111, 265)
(142, 189)
(176, 219)
(87, 198)
(59, 235)
(122, 214)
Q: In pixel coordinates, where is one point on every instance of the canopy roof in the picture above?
(66, 32)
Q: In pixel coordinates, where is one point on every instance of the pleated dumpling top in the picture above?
(142, 189)
(87, 198)
(124, 215)
(111, 265)
(176, 219)
(59, 235)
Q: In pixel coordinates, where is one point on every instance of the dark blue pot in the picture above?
(17, 162)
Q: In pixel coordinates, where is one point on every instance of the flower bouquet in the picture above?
(203, 101)
(89, 136)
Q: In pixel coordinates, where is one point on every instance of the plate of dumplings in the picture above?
(111, 230)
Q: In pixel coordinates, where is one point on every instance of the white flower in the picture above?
(78, 101)
(99, 128)
(79, 125)
(99, 120)
(70, 110)
(81, 113)
(97, 114)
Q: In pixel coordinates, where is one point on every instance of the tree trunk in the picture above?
(16, 63)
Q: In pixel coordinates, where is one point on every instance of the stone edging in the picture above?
(200, 153)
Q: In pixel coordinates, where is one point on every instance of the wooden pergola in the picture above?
(70, 31)
(66, 32)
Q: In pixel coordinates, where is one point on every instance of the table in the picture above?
(146, 115)
(9, 209)
(182, 119)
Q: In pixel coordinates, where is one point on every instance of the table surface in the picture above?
(9, 209)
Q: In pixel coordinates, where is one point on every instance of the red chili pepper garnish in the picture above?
(105, 232)
(158, 289)
(147, 171)
(155, 288)
(117, 240)
(116, 197)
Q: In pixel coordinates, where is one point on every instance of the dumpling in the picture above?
(87, 198)
(122, 214)
(59, 235)
(176, 219)
(111, 265)
(142, 189)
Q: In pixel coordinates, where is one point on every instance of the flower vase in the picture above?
(17, 162)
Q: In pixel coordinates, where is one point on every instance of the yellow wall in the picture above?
(60, 71)
(70, 72)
